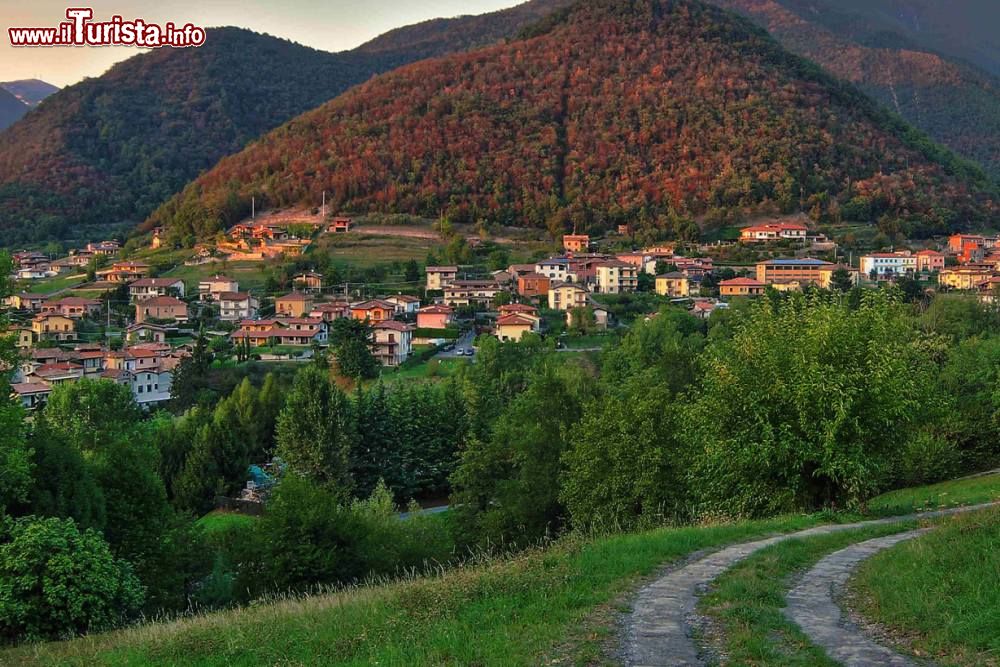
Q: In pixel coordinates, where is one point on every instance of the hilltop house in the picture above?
(340, 225)
(576, 242)
(774, 231)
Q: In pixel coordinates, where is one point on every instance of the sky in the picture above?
(330, 25)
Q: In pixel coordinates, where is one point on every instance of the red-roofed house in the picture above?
(237, 306)
(73, 307)
(533, 285)
(741, 287)
(148, 288)
(511, 328)
(435, 317)
(163, 308)
(374, 311)
(777, 231)
(930, 261)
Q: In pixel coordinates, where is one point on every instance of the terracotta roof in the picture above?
(518, 308)
(25, 388)
(162, 301)
(296, 296)
(436, 310)
(73, 301)
(515, 320)
(234, 296)
(394, 325)
(742, 282)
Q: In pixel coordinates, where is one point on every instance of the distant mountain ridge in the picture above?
(11, 109)
(112, 148)
(935, 63)
(29, 91)
(654, 112)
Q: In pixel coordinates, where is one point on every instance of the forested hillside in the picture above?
(908, 55)
(616, 110)
(112, 148)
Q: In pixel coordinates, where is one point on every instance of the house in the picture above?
(340, 225)
(161, 308)
(209, 289)
(91, 360)
(58, 373)
(805, 271)
(23, 337)
(504, 278)
(405, 304)
(930, 261)
(674, 285)
(826, 275)
(146, 332)
(148, 288)
(237, 306)
(328, 312)
(282, 331)
(520, 309)
(296, 304)
(310, 281)
(471, 292)
(157, 241)
(692, 267)
(125, 272)
(741, 287)
(567, 296)
(616, 277)
(511, 328)
(884, 265)
(393, 342)
(963, 278)
(53, 326)
(958, 243)
(602, 316)
(27, 301)
(32, 395)
(374, 311)
(576, 242)
(73, 307)
(105, 248)
(435, 317)
(555, 268)
(775, 231)
(518, 270)
(704, 309)
(533, 284)
(439, 277)
(40, 272)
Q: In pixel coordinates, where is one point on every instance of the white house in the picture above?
(556, 269)
(237, 306)
(888, 264)
(393, 342)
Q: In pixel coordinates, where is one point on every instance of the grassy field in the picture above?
(434, 368)
(540, 606)
(745, 604)
(248, 274)
(368, 250)
(218, 521)
(52, 284)
(969, 491)
(939, 593)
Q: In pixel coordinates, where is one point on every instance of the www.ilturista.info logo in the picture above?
(79, 30)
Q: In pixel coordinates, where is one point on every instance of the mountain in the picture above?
(652, 111)
(442, 36)
(109, 150)
(29, 91)
(11, 108)
(935, 63)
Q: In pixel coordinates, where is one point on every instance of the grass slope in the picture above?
(554, 604)
(942, 600)
(968, 491)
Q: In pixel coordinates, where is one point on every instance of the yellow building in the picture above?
(826, 275)
(675, 285)
(52, 326)
(741, 287)
(511, 328)
(567, 296)
(963, 278)
(803, 271)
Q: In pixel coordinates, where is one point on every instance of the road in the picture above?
(463, 342)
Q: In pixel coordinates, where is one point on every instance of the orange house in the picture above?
(533, 284)
(374, 311)
(576, 242)
(435, 317)
(295, 304)
(741, 287)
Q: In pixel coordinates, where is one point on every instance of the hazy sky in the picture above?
(331, 25)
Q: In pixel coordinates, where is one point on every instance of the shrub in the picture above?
(56, 581)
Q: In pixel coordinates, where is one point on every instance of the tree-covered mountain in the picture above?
(935, 63)
(112, 148)
(656, 111)
(11, 109)
(29, 91)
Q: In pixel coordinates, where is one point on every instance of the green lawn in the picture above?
(368, 250)
(537, 607)
(940, 592)
(53, 284)
(971, 491)
(434, 368)
(248, 274)
(218, 521)
(746, 602)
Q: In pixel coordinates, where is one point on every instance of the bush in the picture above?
(57, 582)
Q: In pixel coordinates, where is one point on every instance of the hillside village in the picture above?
(135, 329)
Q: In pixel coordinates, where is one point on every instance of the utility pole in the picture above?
(323, 213)
(253, 207)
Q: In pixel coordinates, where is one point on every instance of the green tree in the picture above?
(91, 414)
(351, 341)
(312, 430)
(56, 581)
(841, 280)
(411, 272)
